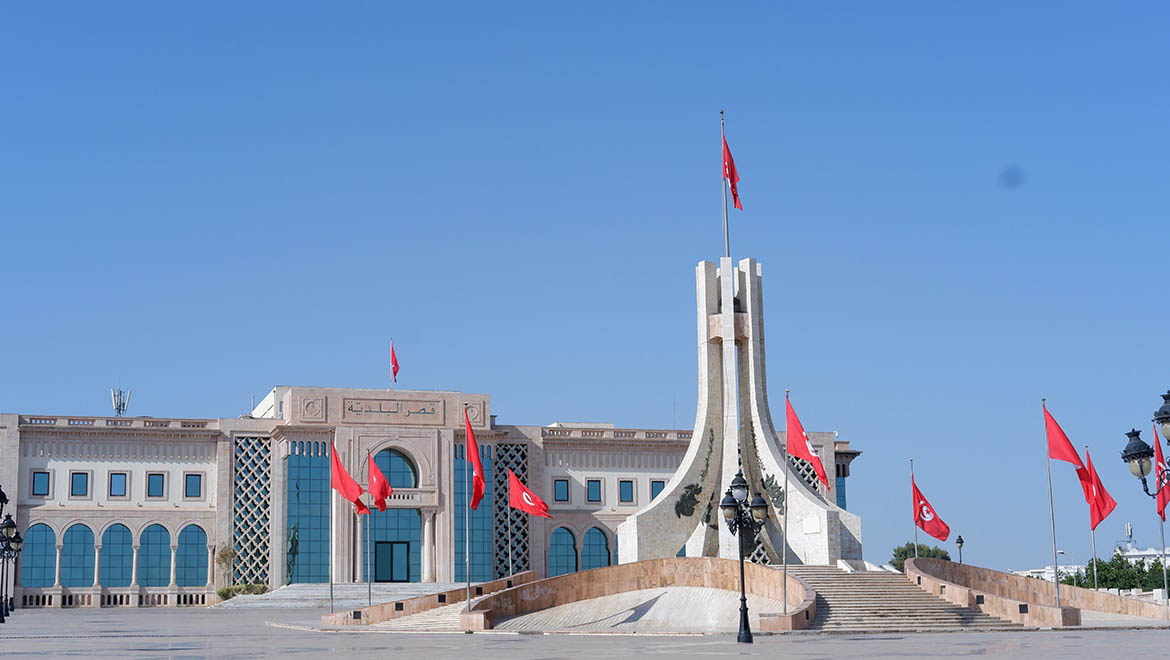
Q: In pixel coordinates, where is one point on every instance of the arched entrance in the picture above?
(392, 539)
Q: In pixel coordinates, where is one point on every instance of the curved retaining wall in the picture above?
(650, 574)
(1002, 594)
(407, 606)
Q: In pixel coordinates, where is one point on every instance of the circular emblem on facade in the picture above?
(313, 408)
(473, 413)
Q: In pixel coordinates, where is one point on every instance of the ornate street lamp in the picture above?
(743, 519)
(3, 501)
(959, 542)
(1137, 455)
(14, 547)
(7, 535)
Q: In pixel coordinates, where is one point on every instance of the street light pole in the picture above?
(743, 519)
(959, 542)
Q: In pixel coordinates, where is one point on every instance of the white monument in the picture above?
(733, 429)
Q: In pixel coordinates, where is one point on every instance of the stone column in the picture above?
(174, 554)
(428, 546)
(57, 570)
(97, 564)
(210, 566)
(134, 568)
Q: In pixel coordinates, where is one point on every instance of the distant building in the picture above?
(1126, 549)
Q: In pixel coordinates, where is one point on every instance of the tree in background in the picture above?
(1118, 573)
(904, 552)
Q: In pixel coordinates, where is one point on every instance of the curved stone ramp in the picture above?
(674, 572)
(667, 609)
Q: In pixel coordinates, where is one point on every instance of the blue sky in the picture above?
(959, 210)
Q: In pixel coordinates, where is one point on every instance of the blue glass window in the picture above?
(595, 552)
(562, 552)
(40, 484)
(117, 486)
(482, 560)
(307, 493)
(156, 484)
(593, 490)
(841, 491)
(38, 559)
(393, 525)
(191, 557)
(77, 557)
(117, 557)
(656, 487)
(397, 468)
(560, 490)
(154, 557)
(79, 484)
(626, 491)
(193, 485)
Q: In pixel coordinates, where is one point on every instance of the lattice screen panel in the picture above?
(760, 555)
(512, 457)
(252, 506)
(806, 471)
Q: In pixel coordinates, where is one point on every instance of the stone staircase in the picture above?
(439, 619)
(873, 601)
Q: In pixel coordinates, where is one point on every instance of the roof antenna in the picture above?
(121, 401)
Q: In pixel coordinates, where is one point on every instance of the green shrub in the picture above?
(227, 593)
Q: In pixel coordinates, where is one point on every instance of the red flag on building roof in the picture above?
(925, 516)
(379, 487)
(799, 445)
(1101, 504)
(519, 497)
(1161, 477)
(478, 485)
(731, 174)
(393, 363)
(1058, 445)
(340, 480)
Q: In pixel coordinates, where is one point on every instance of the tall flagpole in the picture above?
(725, 173)
(369, 540)
(391, 365)
(787, 465)
(1051, 514)
(332, 532)
(467, 515)
(913, 520)
(1162, 526)
(1092, 536)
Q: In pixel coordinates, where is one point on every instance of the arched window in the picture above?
(562, 552)
(399, 469)
(117, 557)
(595, 552)
(154, 557)
(191, 557)
(77, 557)
(38, 560)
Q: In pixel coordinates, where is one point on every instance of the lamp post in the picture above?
(743, 520)
(1137, 455)
(959, 542)
(14, 547)
(8, 538)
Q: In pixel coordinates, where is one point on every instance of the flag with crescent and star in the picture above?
(478, 484)
(926, 517)
(799, 445)
(519, 497)
(1161, 477)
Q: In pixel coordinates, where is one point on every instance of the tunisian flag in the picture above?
(1058, 445)
(379, 488)
(730, 173)
(798, 444)
(393, 363)
(478, 485)
(925, 516)
(340, 480)
(1101, 504)
(1161, 477)
(519, 497)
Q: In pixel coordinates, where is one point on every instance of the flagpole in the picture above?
(726, 240)
(369, 540)
(912, 518)
(784, 544)
(1051, 513)
(332, 535)
(391, 364)
(1092, 534)
(1162, 526)
(509, 541)
(467, 517)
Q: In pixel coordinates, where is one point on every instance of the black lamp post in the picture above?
(959, 542)
(743, 520)
(8, 539)
(1137, 455)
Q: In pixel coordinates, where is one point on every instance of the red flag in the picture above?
(340, 480)
(1058, 445)
(730, 173)
(477, 482)
(379, 488)
(1161, 477)
(799, 445)
(393, 363)
(1101, 504)
(925, 516)
(519, 497)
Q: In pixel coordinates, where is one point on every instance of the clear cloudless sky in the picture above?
(959, 210)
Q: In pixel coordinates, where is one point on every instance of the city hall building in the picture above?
(147, 511)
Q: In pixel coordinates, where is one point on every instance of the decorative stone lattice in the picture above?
(760, 555)
(806, 472)
(252, 505)
(512, 457)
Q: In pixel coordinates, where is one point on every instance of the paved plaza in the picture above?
(261, 633)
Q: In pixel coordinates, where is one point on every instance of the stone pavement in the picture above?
(246, 633)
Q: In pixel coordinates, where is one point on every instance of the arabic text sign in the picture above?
(396, 411)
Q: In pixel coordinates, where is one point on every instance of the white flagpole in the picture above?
(1162, 526)
(467, 514)
(913, 520)
(787, 465)
(391, 365)
(1051, 514)
(1092, 537)
(369, 540)
(332, 532)
(724, 173)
